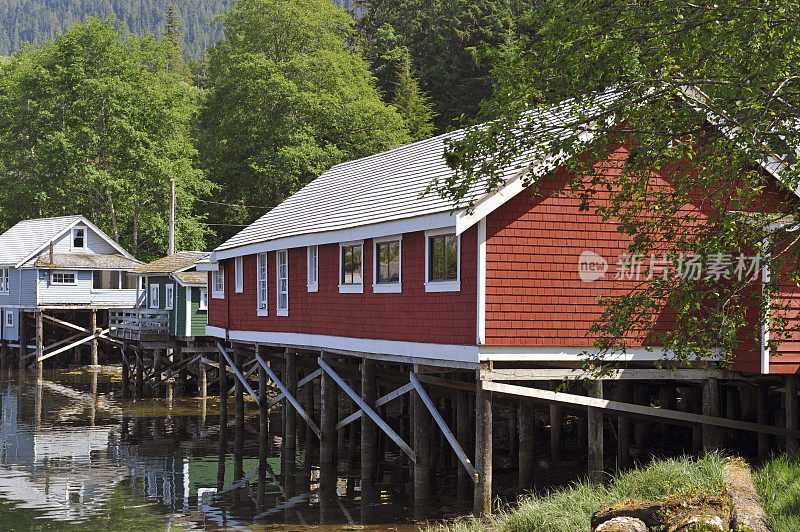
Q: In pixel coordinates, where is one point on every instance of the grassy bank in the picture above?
(778, 484)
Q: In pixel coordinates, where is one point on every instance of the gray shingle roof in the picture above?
(192, 278)
(173, 263)
(385, 187)
(29, 235)
(85, 261)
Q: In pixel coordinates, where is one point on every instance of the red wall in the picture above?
(413, 315)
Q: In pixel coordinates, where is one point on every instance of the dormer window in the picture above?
(78, 238)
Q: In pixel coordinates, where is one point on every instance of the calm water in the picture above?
(73, 455)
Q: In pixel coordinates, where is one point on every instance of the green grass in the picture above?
(570, 509)
(778, 485)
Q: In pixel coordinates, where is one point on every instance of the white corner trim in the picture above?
(449, 352)
(765, 278)
(188, 310)
(387, 288)
(481, 325)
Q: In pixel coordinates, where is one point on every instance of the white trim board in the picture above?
(451, 352)
(564, 354)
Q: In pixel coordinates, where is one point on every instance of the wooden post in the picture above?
(223, 421)
(202, 381)
(697, 430)
(556, 430)
(327, 443)
(762, 418)
(290, 419)
(710, 408)
(463, 428)
(39, 343)
(126, 378)
(422, 447)
(139, 384)
(595, 437)
(369, 393)
(311, 438)
(238, 435)
(263, 438)
(180, 376)
(527, 429)
(23, 339)
(93, 342)
(623, 428)
(482, 501)
(640, 397)
(790, 384)
(513, 436)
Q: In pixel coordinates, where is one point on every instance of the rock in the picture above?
(746, 510)
(622, 524)
(702, 519)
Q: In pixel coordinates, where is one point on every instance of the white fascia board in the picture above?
(566, 354)
(450, 352)
(406, 225)
(207, 266)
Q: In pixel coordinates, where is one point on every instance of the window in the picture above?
(143, 283)
(218, 283)
(313, 268)
(62, 278)
(442, 263)
(238, 274)
(203, 304)
(283, 282)
(78, 238)
(154, 296)
(350, 267)
(386, 271)
(5, 283)
(262, 284)
(9, 318)
(169, 296)
(106, 280)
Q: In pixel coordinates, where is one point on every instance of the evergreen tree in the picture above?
(172, 38)
(414, 106)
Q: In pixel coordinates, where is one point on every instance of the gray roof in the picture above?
(28, 236)
(177, 262)
(85, 261)
(192, 278)
(388, 186)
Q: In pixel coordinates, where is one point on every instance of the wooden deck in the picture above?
(139, 324)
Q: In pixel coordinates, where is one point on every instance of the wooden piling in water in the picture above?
(463, 429)
(422, 448)
(39, 344)
(527, 431)
(93, 342)
(289, 458)
(3, 354)
(790, 385)
(369, 393)
(139, 378)
(327, 443)
(223, 421)
(238, 434)
(126, 377)
(23, 340)
(263, 438)
(482, 500)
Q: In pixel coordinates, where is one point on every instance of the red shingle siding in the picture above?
(413, 315)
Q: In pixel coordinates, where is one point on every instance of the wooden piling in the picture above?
(3, 353)
(93, 342)
(527, 429)
(327, 443)
(422, 448)
(623, 427)
(202, 380)
(790, 384)
(126, 378)
(513, 441)
(482, 500)
(39, 343)
(238, 434)
(762, 418)
(463, 429)
(369, 393)
(157, 370)
(139, 379)
(23, 340)
(180, 376)
(223, 421)
(711, 439)
(640, 397)
(289, 457)
(594, 442)
(263, 438)
(556, 431)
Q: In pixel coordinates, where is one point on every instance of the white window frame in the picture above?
(281, 311)
(5, 280)
(72, 234)
(9, 318)
(262, 285)
(154, 289)
(169, 296)
(238, 274)
(218, 275)
(442, 286)
(354, 288)
(312, 266)
(387, 288)
(74, 275)
(203, 303)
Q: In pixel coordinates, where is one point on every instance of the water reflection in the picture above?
(72, 451)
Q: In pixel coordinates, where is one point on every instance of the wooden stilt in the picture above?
(623, 428)
(3, 354)
(463, 429)
(157, 371)
(639, 428)
(180, 376)
(202, 380)
(327, 441)
(711, 440)
(23, 339)
(595, 438)
(697, 430)
(369, 393)
(422, 448)
(482, 500)
(238, 435)
(290, 419)
(556, 431)
(126, 377)
(139, 380)
(527, 421)
(93, 343)
(311, 438)
(223, 421)
(513, 441)
(762, 418)
(39, 343)
(263, 438)
(790, 384)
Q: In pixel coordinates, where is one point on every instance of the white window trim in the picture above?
(5, 280)
(154, 288)
(351, 288)
(218, 294)
(64, 272)
(9, 318)
(203, 303)
(169, 303)
(238, 274)
(278, 310)
(312, 286)
(386, 288)
(442, 286)
(72, 238)
(262, 311)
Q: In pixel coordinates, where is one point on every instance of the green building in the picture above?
(173, 287)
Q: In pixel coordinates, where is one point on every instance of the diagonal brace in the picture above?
(380, 402)
(238, 373)
(289, 397)
(305, 380)
(368, 410)
(445, 429)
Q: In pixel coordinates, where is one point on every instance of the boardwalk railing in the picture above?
(138, 324)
